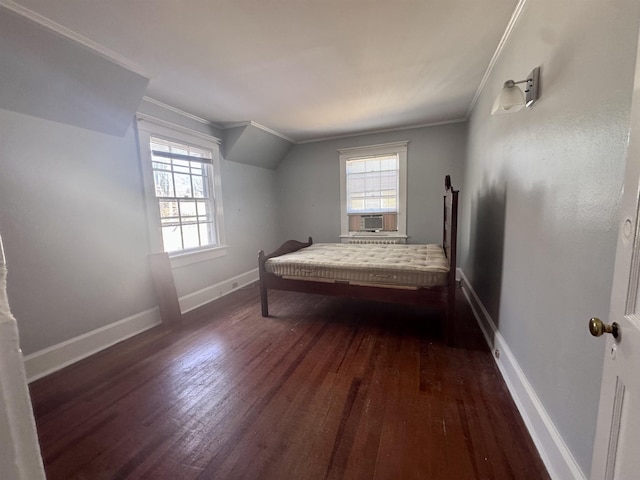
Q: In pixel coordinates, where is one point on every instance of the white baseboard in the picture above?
(202, 297)
(48, 360)
(51, 359)
(554, 452)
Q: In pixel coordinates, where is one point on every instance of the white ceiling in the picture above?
(305, 68)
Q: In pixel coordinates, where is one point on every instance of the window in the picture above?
(181, 176)
(373, 190)
(372, 184)
(182, 183)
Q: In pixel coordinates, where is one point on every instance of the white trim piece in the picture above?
(174, 127)
(148, 127)
(182, 259)
(20, 458)
(51, 359)
(377, 149)
(56, 357)
(383, 130)
(49, 24)
(261, 127)
(206, 295)
(496, 55)
(180, 112)
(399, 148)
(554, 452)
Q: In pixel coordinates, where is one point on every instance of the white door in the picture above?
(19, 449)
(616, 454)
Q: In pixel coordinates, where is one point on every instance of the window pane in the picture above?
(183, 185)
(389, 203)
(164, 184)
(372, 165)
(179, 149)
(159, 165)
(187, 209)
(168, 209)
(197, 168)
(198, 186)
(372, 204)
(390, 163)
(207, 234)
(355, 166)
(157, 144)
(357, 205)
(172, 238)
(203, 208)
(181, 166)
(190, 236)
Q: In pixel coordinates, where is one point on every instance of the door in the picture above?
(616, 454)
(19, 450)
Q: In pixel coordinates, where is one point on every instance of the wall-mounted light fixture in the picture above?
(511, 98)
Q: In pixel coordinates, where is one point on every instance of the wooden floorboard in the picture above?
(325, 388)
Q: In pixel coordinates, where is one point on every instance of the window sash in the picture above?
(178, 156)
(183, 188)
(372, 184)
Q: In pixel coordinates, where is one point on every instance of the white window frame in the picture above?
(153, 127)
(351, 153)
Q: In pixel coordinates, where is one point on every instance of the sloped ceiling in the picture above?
(254, 145)
(49, 76)
(306, 69)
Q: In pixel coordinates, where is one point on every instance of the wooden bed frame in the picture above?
(441, 297)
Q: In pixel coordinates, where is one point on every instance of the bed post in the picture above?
(264, 300)
(453, 248)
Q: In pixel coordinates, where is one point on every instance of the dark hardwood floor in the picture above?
(326, 388)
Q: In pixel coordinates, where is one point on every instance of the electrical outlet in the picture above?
(496, 353)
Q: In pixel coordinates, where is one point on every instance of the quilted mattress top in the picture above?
(388, 264)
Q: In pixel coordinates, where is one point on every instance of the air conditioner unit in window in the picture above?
(370, 223)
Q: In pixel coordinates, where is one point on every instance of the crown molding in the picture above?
(496, 55)
(384, 130)
(143, 117)
(392, 145)
(181, 112)
(76, 37)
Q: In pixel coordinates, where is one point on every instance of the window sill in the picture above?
(182, 259)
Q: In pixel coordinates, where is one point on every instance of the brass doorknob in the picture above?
(597, 327)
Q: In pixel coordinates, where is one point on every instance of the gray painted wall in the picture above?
(73, 223)
(540, 198)
(72, 216)
(72, 210)
(309, 182)
(250, 203)
(539, 194)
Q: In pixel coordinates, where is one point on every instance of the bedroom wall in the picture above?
(540, 197)
(250, 207)
(249, 197)
(72, 216)
(309, 182)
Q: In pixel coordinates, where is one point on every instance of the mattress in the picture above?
(399, 265)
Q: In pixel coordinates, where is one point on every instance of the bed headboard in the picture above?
(450, 224)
